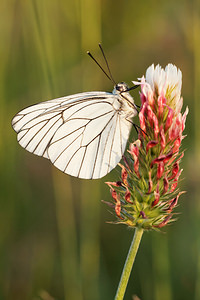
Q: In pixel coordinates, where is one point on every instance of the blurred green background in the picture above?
(54, 239)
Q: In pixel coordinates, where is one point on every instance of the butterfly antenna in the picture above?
(107, 64)
(110, 78)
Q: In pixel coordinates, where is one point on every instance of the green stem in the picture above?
(129, 263)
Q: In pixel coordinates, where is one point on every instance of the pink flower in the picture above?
(148, 191)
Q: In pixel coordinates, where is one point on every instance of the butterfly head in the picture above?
(121, 87)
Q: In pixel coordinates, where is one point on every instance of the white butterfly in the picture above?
(83, 135)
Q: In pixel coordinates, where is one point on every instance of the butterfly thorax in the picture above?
(127, 105)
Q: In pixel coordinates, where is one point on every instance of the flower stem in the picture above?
(129, 263)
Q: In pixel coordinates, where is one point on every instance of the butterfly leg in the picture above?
(137, 127)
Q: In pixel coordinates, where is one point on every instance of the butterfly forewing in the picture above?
(83, 135)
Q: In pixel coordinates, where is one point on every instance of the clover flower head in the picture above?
(147, 193)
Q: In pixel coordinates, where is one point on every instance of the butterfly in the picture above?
(83, 135)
